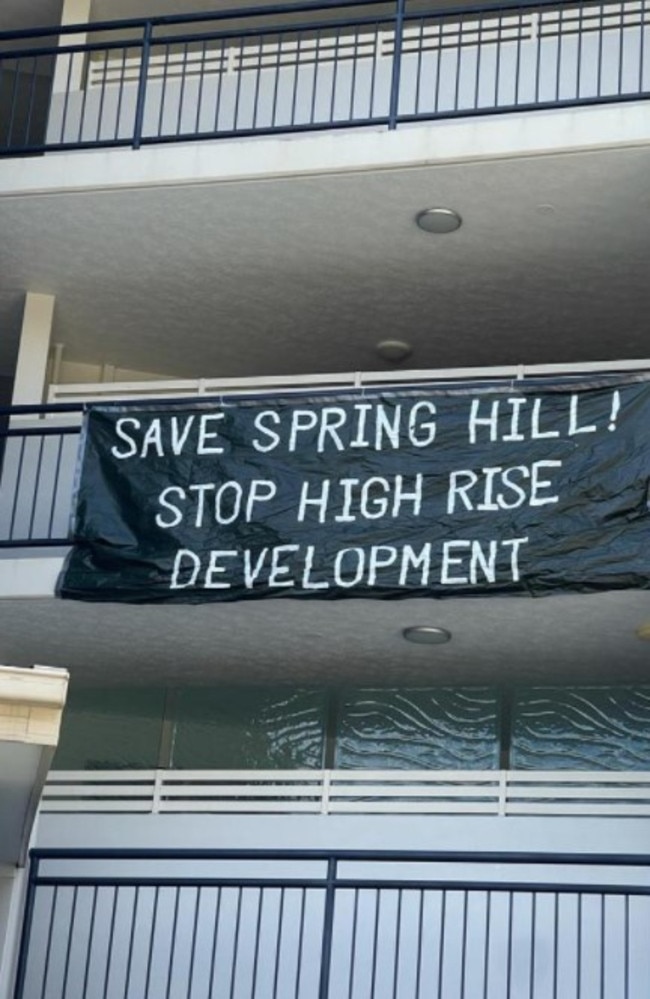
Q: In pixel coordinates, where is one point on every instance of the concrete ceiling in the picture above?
(559, 639)
(306, 274)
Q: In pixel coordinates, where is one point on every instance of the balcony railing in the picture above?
(343, 792)
(315, 924)
(306, 67)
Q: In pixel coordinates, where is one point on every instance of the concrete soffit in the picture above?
(31, 707)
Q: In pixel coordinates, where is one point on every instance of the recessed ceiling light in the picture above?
(643, 632)
(439, 220)
(426, 634)
(393, 351)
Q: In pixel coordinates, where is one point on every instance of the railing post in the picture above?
(142, 85)
(397, 64)
(21, 967)
(328, 926)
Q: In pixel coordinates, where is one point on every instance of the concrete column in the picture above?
(33, 351)
(74, 12)
(13, 885)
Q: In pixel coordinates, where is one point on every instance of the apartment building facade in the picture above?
(295, 209)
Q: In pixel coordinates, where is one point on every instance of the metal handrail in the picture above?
(243, 74)
(238, 13)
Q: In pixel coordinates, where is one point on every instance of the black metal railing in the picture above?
(304, 67)
(38, 460)
(340, 925)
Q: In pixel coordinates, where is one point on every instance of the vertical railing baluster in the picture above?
(479, 50)
(66, 100)
(118, 110)
(172, 943)
(418, 70)
(294, 93)
(375, 940)
(441, 942)
(258, 931)
(315, 78)
(100, 113)
(353, 944)
(217, 100)
(556, 938)
(600, 53)
(538, 52)
(240, 72)
(142, 85)
(278, 945)
(558, 67)
(19, 472)
(111, 939)
(626, 957)
(520, 27)
(152, 939)
(497, 70)
(37, 488)
(436, 102)
(215, 939)
(373, 72)
(328, 929)
(30, 107)
(82, 113)
(463, 947)
(129, 960)
(603, 939)
(335, 75)
(163, 91)
(68, 949)
(195, 926)
(276, 80)
(486, 950)
(301, 940)
(90, 944)
(579, 949)
(621, 49)
(14, 100)
(398, 936)
(509, 946)
(353, 80)
(642, 45)
(235, 946)
(258, 77)
(418, 960)
(579, 53)
(199, 94)
(400, 9)
(459, 56)
(181, 94)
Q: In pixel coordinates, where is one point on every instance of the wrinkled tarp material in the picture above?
(424, 491)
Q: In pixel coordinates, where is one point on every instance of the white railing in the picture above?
(196, 387)
(331, 792)
(215, 57)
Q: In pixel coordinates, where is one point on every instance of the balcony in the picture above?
(308, 67)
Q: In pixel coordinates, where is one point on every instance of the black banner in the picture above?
(415, 492)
